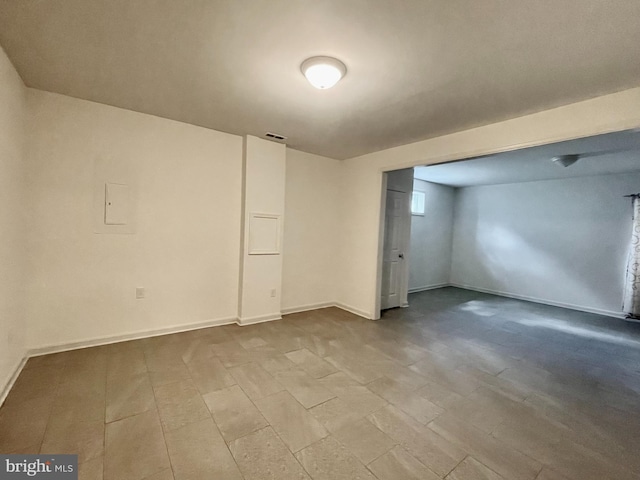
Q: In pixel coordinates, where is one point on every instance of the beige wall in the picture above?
(81, 285)
(361, 203)
(363, 175)
(12, 213)
(311, 231)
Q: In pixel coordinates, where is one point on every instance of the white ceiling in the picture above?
(533, 164)
(416, 68)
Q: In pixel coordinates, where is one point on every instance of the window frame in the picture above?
(416, 194)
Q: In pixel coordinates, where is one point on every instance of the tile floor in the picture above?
(461, 386)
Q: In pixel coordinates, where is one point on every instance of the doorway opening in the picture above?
(395, 245)
(525, 224)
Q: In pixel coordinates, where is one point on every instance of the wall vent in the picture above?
(275, 136)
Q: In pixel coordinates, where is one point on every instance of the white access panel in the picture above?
(117, 200)
(264, 234)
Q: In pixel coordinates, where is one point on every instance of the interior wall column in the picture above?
(262, 231)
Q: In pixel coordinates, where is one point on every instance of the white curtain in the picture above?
(631, 305)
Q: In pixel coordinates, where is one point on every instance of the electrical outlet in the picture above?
(273, 293)
(139, 292)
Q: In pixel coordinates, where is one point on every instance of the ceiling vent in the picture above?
(275, 136)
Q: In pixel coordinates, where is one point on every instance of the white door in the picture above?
(393, 257)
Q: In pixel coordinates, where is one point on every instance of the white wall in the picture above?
(264, 193)
(361, 203)
(363, 175)
(12, 213)
(562, 242)
(81, 285)
(431, 238)
(311, 231)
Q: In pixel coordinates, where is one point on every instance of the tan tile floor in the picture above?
(461, 385)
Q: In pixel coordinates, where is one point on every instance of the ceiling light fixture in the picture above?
(323, 72)
(565, 160)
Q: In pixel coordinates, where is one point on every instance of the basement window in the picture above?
(417, 203)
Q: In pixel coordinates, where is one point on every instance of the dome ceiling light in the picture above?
(323, 72)
(565, 160)
(570, 159)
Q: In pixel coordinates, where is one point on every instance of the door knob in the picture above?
(401, 255)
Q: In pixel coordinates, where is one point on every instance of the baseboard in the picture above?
(428, 287)
(65, 347)
(12, 379)
(259, 319)
(306, 308)
(129, 336)
(355, 311)
(48, 349)
(570, 306)
(317, 306)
